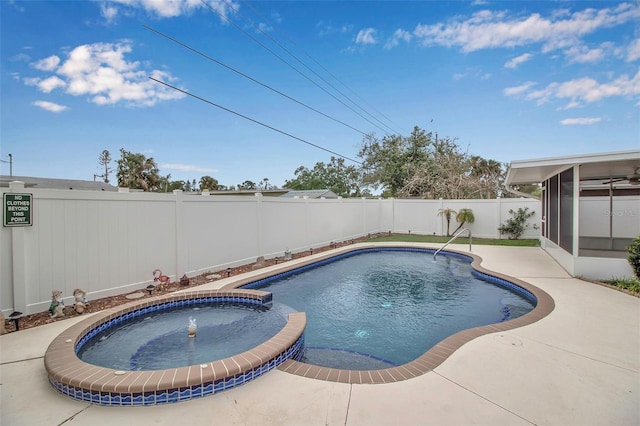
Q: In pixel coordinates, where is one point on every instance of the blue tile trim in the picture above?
(391, 364)
(168, 396)
(508, 285)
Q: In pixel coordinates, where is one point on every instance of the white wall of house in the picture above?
(109, 243)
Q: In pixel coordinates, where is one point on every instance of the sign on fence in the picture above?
(18, 209)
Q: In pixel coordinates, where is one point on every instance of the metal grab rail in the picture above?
(456, 235)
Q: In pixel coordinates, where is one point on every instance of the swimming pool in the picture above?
(107, 386)
(379, 308)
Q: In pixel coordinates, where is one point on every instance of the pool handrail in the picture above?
(456, 235)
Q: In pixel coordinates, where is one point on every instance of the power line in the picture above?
(289, 65)
(258, 28)
(254, 120)
(251, 78)
(308, 55)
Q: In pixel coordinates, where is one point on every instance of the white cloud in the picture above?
(515, 62)
(366, 36)
(224, 8)
(325, 29)
(580, 91)
(161, 8)
(47, 64)
(187, 168)
(51, 83)
(20, 57)
(494, 29)
(570, 105)
(264, 27)
(101, 72)
(633, 53)
(50, 106)
(108, 12)
(518, 90)
(472, 72)
(583, 54)
(172, 8)
(398, 35)
(580, 121)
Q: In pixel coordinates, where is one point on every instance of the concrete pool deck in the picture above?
(580, 365)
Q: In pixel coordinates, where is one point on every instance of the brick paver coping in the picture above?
(80, 380)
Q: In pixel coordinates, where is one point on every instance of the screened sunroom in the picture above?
(591, 209)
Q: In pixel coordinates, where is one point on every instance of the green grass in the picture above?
(460, 240)
(632, 285)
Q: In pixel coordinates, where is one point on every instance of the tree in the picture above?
(391, 162)
(464, 216)
(264, 185)
(488, 175)
(419, 166)
(135, 171)
(209, 183)
(104, 159)
(163, 183)
(344, 180)
(247, 185)
(530, 190)
(447, 213)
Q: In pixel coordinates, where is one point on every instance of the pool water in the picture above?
(161, 340)
(378, 309)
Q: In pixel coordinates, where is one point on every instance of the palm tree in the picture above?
(447, 213)
(464, 216)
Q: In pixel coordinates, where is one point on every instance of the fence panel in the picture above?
(283, 226)
(109, 243)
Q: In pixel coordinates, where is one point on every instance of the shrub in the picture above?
(516, 226)
(632, 285)
(634, 256)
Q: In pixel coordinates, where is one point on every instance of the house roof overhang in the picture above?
(609, 165)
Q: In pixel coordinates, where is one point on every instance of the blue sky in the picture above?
(509, 80)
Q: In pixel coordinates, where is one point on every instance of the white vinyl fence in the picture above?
(109, 243)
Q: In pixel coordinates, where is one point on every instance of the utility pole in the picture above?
(10, 164)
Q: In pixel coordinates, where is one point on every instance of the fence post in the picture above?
(393, 215)
(364, 216)
(307, 222)
(498, 217)
(259, 225)
(18, 260)
(180, 252)
(442, 219)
